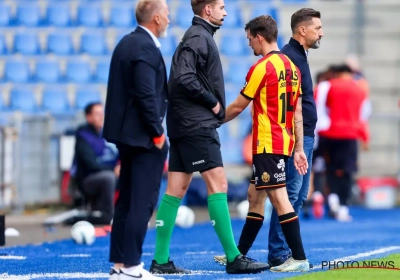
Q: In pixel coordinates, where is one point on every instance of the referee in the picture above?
(196, 108)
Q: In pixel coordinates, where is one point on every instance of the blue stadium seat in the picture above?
(122, 16)
(234, 17)
(55, 100)
(26, 43)
(89, 15)
(48, 71)
(23, 99)
(58, 14)
(238, 70)
(184, 16)
(167, 62)
(78, 71)
(94, 43)
(28, 14)
(233, 44)
(59, 43)
(3, 45)
(259, 10)
(5, 15)
(102, 71)
(168, 45)
(17, 71)
(85, 95)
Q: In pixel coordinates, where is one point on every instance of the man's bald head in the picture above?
(146, 9)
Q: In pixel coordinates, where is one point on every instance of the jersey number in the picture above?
(286, 106)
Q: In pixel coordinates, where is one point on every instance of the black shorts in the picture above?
(269, 171)
(199, 151)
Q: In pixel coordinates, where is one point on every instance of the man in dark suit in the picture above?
(137, 97)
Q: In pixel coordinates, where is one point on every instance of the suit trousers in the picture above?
(140, 179)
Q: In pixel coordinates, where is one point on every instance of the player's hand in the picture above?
(365, 146)
(300, 162)
(216, 109)
(117, 170)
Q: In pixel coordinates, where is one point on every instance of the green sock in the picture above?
(221, 220)
(165, 221)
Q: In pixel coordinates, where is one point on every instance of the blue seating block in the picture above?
(93, 43)
(122, 16)
(168, 45)
(85, 95)
(3, 46)
(234, 44)
(89, 15)
(48, 71)
(59, 43)
(27, 43)
(28, 14)
(55, 100)
(5, 15)
(102, 71)
(17, 71)
(58, 14)
(78, 71)
(23, 99)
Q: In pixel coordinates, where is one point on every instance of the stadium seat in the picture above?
(184, 16)
(238, 69)
(3, 45)
(5, 15)
(85, 95)
(59, 43)
(55, 100)
(233, 44)
(167, 62)
(58, 14)
(26, 43)
(122, 16)
(168, 45)
(17, 71)
(28, 14)
(259, 10)
(102, 71)
(89, 15)
(93, 43)
(48, 71)
(23, 99)
(78, 71)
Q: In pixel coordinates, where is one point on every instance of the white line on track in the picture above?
(12, 257)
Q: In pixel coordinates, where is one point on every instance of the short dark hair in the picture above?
(198, 5)
(302, 15)
(343, 68)
(265, 26)
(89, 108)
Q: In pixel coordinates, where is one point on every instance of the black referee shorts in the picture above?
(199, 151)
(269, 171)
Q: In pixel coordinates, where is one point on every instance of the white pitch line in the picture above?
(364, 255)
(78, 275)
(76, 256)
(12, 257)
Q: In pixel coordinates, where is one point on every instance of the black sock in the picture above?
(250, 230)
(291, 229)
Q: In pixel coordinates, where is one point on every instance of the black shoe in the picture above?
(244, 265)
(167, 268)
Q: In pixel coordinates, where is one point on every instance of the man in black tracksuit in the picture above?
(196, 108)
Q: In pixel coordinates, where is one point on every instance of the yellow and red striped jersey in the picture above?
(274, 85)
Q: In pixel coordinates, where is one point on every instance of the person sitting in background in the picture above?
(96, 163)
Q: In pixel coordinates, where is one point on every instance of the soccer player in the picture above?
(307, 32)
(196, 108)
(273, 84)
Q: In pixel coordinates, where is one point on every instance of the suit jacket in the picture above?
(137, 92)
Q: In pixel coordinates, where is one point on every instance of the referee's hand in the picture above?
(300, 162)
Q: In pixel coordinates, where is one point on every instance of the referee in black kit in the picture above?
(136, 103)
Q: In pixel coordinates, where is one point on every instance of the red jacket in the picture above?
(344, 102)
